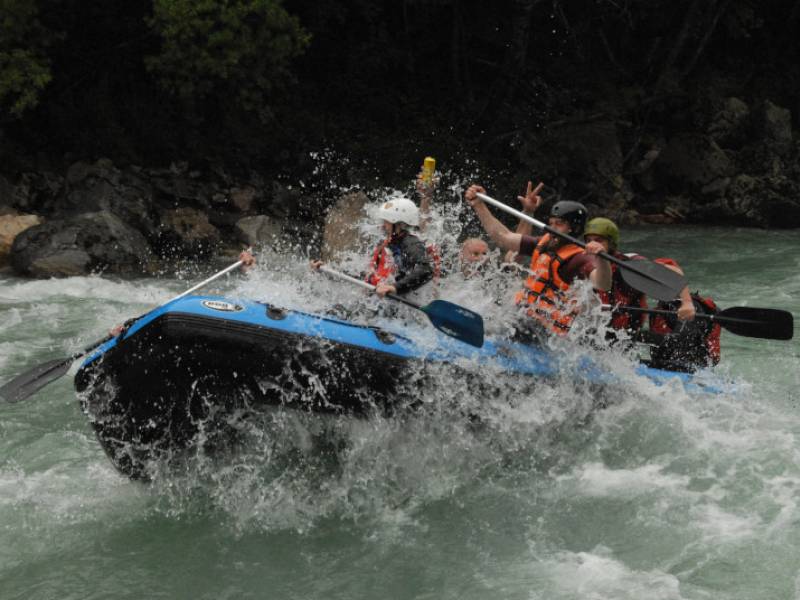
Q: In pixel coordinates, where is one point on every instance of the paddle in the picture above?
(652, 279)
(28, 383)
(452, 319)
(766, 323)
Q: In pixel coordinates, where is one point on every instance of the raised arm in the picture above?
(499, 233)
(686, 311)
(425, 189)
(530, 202)
(601, 275)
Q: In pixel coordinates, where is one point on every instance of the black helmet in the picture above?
(573, 213)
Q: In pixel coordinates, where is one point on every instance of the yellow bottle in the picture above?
(428, 168)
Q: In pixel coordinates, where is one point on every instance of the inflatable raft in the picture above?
(199, 359)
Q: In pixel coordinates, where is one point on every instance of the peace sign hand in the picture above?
(531, 200)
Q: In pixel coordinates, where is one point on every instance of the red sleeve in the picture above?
(527, 245)
(580, 266)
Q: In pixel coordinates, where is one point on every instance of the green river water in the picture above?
(665, 494)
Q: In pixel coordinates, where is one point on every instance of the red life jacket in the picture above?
(545, 289)
(621, 294)
(381, 267)
(436, 261)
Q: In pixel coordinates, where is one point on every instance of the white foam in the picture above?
(596, 575)
(596, 479)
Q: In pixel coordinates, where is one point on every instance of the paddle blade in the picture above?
(32, 381)
(456, 321)
(767, 323)
(652, 279)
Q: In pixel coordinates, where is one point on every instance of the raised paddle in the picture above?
(454, 320)
(652, 279)
(766, 323)
(27, 384)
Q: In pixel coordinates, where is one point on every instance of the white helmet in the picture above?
(399, 210)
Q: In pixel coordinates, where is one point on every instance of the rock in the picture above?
(102, 187)
(285, 201)
(242, 198)
(341, 233)
(11, 226)
(38, 192)
(728, 126)
(102, 169)
(695, 162)
(175, 189)
(755, 201)
(588, 156)
(186, 231)
(79, 245)
(7, 192)
(258, 230)
(774, 125)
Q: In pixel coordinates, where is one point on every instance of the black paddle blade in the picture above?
(456, 321)
(767, 323)
(652, 279)
(32, 381)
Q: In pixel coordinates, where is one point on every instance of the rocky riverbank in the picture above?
(737, 165)
(100, 218)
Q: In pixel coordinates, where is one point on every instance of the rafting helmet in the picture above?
(604, 228)
(573, 213)
(399, 210)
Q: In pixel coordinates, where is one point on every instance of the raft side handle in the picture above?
(276, 313)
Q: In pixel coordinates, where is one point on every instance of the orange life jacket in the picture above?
(545, 289)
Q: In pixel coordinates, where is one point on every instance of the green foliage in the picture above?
(226, 47)
(24, 64)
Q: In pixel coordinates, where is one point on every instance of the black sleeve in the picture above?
(418, 269)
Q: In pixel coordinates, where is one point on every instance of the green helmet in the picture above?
(605, 228)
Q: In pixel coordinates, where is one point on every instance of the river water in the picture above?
(665, 494)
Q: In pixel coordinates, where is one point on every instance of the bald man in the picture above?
(473, 256)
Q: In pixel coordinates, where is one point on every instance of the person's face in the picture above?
(560, 225)
(598, 238)
(474, 253)
(388, 227)
(473, 257)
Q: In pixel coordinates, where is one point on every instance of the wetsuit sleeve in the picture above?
(579, 266)
(419, 268)
(527, 245)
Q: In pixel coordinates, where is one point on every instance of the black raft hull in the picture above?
(153, 391)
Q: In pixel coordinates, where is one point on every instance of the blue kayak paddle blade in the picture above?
(456, 321)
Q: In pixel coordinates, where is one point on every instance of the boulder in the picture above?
(728, 127)
(10, 227)
(589, 157)
(186, 232)
(341, 234)
(242, 199)
(774, 126)
(7, 192)
(695, 163)
(37, 192)
(78, 245)
(769, 201)
(258, 230)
